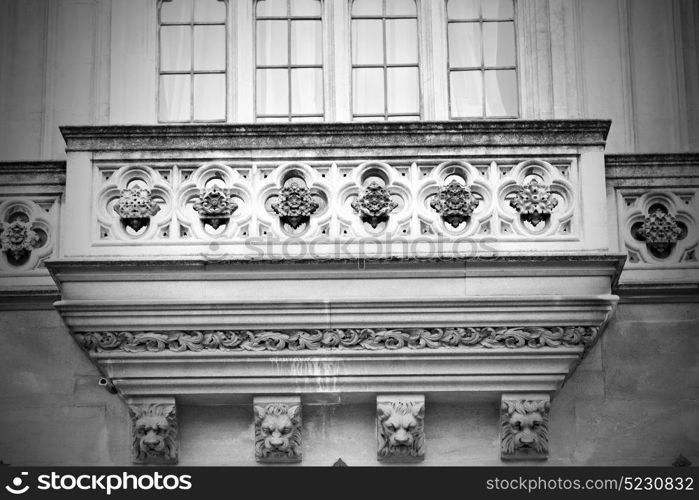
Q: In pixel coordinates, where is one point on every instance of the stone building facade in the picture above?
(383, 231)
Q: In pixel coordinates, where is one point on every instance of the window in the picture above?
(192, 60)
(482, 59)
(385, 61)
(289, 60)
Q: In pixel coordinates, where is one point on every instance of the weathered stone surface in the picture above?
(641, 431)
(652, 359)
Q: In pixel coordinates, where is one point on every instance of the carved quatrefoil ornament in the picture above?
(533, 202)
(454, 203)
(215, 206)
(135, 207)
(295, 204)
(374, 205)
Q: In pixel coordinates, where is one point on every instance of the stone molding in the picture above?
(278, 428)
(349, 338)
(400, 428)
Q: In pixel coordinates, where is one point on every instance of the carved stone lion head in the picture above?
(154, 433)
(277, 432)
(401, 430)
(524, 429)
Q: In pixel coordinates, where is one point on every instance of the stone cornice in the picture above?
(32, 173)
(670, 169)
(349, 338)
(337, 135)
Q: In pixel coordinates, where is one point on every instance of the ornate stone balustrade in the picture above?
(656, 202)
(337, 190)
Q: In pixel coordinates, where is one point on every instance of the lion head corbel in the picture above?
(401, 429)
(277, 432)
(524, 430)
(154, 429)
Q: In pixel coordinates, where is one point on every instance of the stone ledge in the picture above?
(337, 135)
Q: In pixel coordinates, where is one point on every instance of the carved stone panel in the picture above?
(154, 431)
(277, 429)
(400, 426)
(135, 207)
(524, 427)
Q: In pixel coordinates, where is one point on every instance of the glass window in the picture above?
(192, 60)
(385, 61)
(482, 59)
(288, 61)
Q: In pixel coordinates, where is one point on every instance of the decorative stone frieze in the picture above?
(374, 205)
(524, 427)
(277, 429)
(534, 202)
(295, 204)
(400, 428)
(454, 203)
(349, 338)
(135, 207)
(155, 433)
(215, 206)
(660, 231)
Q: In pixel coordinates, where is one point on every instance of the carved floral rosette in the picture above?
(277, 429)
(17, 238)
(400, 428)
(534, 202)
(524, 428)
(295, 204)
(374, 205)
(155, 433)
(350, 338)
(660, 231)
(135, 207)
(454, 203)
(215, 206)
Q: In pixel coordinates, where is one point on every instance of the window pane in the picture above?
(271, 42)
(366, 8)
(209, 97)
(305, 8)
(403, 90)
(176, 11)
(209, 48)
(401, 41)
(209, 11)
(271, 8)
(301, 119)
(307, 91)
(306, 42)
(174, 98)
(499, 44)
(367, 42)
(466, 93)
(400, 8)
(501, 93)
(275, 119)
(463, 9)
(272, 92)
(175, 48)
(464, 45)
(498, 9)
(367, 90)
